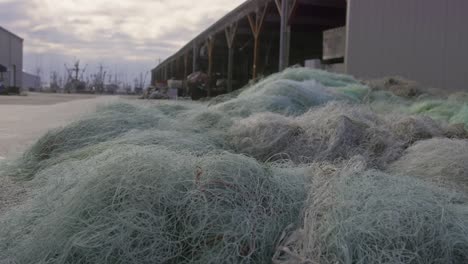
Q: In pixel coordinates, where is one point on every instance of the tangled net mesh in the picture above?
(140, 204)
(335, 131)
(304, 166)
(366, 216)
(441, 160)
(294, 92)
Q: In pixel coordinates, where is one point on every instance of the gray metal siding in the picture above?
(4, 48)
(31, 81)
(424, 40)
(11, 53)
(17, 59)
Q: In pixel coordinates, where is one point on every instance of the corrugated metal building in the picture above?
(11, 57)
(31, 82)
(422, 40)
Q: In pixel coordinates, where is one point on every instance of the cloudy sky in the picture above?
(126, 36)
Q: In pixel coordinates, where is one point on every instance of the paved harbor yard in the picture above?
(23, 119)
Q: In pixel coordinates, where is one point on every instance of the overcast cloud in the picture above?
(127, 36)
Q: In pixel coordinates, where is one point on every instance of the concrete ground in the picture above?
(24, 119)
(43, 99)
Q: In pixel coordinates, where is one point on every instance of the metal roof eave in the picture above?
(233, 16)
(11, 33)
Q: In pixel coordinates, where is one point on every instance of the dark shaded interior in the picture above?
(309, 18)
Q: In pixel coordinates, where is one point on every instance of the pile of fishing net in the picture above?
(304, 166)
(147, 204)
(398, 86)
(294, 92)
(355, 215)
(441, 160)
(336, 131)
(451, 110)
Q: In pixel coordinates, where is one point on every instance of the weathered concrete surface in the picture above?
(42, 99)
(23, 119)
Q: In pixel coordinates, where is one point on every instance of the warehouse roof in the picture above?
(10, 33)
(233, 16)
(248, 7)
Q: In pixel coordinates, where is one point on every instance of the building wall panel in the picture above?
(456, 61)
(11, 56)
(17, 59)
(424, 40)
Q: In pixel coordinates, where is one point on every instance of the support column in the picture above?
(256, 25)
(230, 36)
(185, 66)
(180, 68)
(210, 45)
(195, 57)
(176, 68)
(172, 70)
(285, 9)
(168, 70)
(185, 87)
